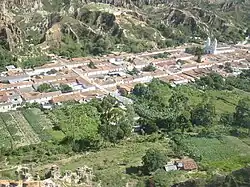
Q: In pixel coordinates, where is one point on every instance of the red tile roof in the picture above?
(189, 164)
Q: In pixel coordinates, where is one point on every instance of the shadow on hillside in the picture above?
(134, 170)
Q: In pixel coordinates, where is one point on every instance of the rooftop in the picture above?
(38, 95)
(188, 164)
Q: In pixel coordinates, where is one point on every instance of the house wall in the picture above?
(5, 107)
(19, 80)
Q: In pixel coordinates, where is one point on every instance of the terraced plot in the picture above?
(227, 153)
(25, 127)
(23, 124)
(38, 122)
(19, 129)
(5, 137)
(15, 132)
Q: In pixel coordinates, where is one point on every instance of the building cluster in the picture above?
(96, 77)
(186, 164)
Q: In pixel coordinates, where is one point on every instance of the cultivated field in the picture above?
(225, 153)
(39, 123)
(20, 128)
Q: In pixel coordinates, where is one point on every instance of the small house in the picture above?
(170, 167)
(15, 79)
(187, 164)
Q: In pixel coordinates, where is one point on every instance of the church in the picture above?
(210, 47)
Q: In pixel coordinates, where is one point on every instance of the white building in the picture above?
(210, 47)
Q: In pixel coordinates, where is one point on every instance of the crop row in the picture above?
(37, 124)
(30, 135)
(5, 137)
(14, 131)
(213, 149)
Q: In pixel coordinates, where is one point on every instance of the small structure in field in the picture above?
(186, 164)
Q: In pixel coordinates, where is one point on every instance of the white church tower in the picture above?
(210, 48)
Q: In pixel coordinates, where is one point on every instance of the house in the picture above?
(14, 97)
(15, 78)
(125, 88)
(170, 167)
(186, 164)
(87, 86)
(18, 85)
(72, 96)
(4, 107)
(9, 100)
(10, 67)
(45, 68)
(116, 61)
(37, 97)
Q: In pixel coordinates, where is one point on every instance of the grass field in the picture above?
(224, 100)
(111, 163)
(226, 153)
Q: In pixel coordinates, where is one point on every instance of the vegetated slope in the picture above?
(75, 28)
(237, 178)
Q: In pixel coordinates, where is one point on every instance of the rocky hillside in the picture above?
(82, 27)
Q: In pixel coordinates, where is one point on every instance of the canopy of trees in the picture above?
(45, 88)
(153, 160)
(65, 88)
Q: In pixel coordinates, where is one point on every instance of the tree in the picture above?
(44, 87)
(65, 88)
(153, 160)
(212, 81)
(242, 113)
(161, 179)
(6, 58)
(148, 126)
(227, 119)
(116, 122)
(203, 114)
(92, 65)
(79, 123)
(228, 67)
(198, 53)
(184, 121)
(149, 68)
(134, 71)
(178, 102)
(35, 61)
(140, 90)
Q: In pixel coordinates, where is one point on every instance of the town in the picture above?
(81, 79)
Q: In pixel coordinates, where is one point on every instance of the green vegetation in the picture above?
(45, 87)
(149, 68)
(134, 71)
(39, 122)
(153, 160)
(6, 58)
(116, 164)
(205, 120)
(224, 153)
(35, 61)
(65, 88)
(162, 55)
(92, 65)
